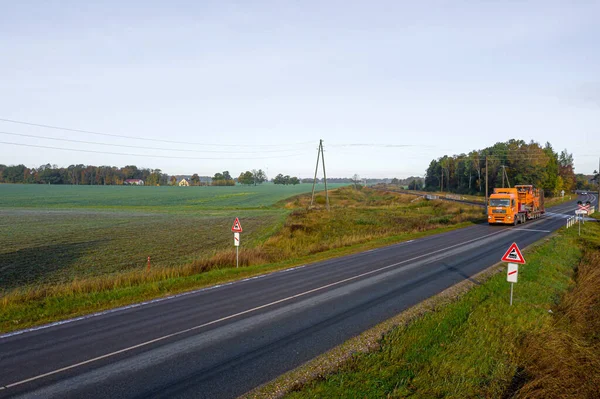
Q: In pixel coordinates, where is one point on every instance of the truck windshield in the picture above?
(499, 202)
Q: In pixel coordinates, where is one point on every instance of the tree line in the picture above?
(112, 175)
(508, 163)
(411, 183)
(80, 174)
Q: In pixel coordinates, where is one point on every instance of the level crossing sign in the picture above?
(513, 255)
(237, 227)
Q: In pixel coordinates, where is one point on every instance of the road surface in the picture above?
(223, 341)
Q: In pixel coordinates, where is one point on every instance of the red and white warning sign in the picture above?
(514, 255)
(236, 239)
(237, 227)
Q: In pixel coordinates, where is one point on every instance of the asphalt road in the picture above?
(223, 341)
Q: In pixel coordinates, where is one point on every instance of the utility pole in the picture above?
(486, 185)
(504, 174)
(315, 179)
(321, 154)
(324, 176)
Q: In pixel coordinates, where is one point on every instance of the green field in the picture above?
(51, 233)
(162, 199)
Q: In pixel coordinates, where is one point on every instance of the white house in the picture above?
(134, 182)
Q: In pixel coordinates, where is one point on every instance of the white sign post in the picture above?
(236, 242)
(513, 256)
(512, 276)
(237, 229)
(580, 212)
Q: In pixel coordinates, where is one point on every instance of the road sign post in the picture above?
(512, 274)
(236, 242)
(513, 256)
(237, 229)
(583, 210)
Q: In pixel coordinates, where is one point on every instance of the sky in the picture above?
(206, 86)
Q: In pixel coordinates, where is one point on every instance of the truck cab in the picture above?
(503, 207)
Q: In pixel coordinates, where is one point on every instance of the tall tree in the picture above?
(246, 178)
(258, 176)
(566, 171)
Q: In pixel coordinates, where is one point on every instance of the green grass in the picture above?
(471, 347)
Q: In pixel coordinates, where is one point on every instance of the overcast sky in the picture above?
(263, 81)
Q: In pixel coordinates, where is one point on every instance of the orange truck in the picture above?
(515, 205)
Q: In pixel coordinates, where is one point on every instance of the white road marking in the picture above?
(239, 314)
(541, 231)
(139, 304)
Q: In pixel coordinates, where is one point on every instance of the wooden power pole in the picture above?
(321, 154)
(486, 185)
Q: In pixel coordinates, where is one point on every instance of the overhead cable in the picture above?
(144, 155)
(150, 139)
(142, 147)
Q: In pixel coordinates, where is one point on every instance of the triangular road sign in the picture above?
(514, 255)
(237, 227)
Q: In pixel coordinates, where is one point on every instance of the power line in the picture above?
(148, 139)
(377, 145)
(140, 147)
(143, 155)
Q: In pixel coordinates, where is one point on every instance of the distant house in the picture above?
(184, 183)
(133, 182)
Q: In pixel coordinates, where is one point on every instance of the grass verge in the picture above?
(468, 341)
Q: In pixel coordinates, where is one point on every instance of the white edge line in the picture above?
(140, 304)
(238, 314)
(540, 231)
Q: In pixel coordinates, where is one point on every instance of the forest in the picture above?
(508, 163)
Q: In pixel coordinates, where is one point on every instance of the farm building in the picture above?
(133, 182)
(184, 183)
